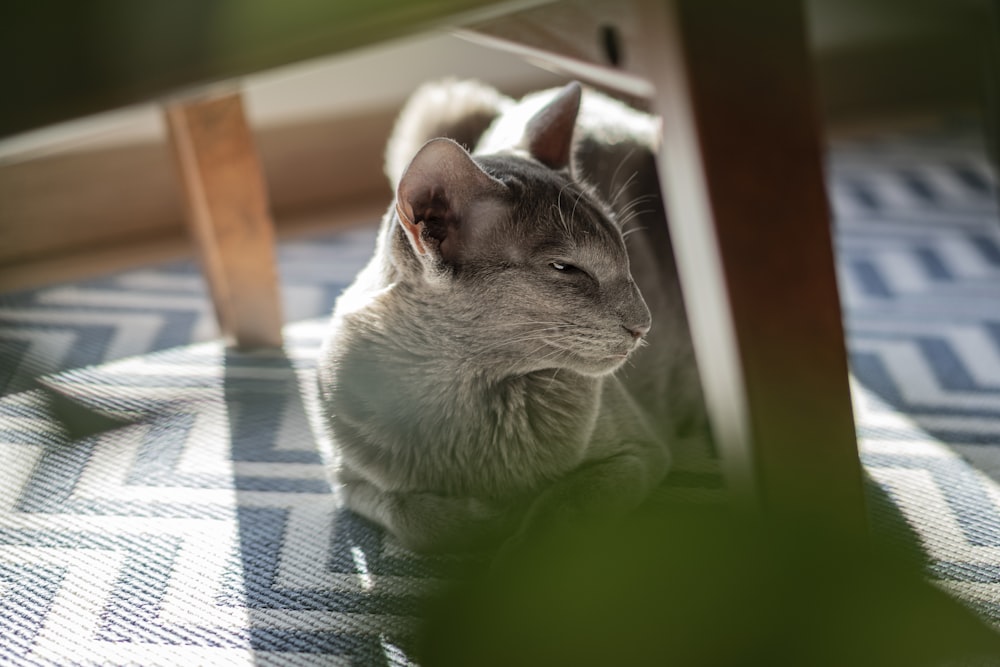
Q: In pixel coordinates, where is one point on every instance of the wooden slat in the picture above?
(741, 167)
(104, 54)
(227, 207)
(900, 75)
(588, 39)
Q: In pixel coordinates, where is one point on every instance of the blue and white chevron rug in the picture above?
(163, 500)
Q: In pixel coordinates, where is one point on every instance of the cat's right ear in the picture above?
(549, 134)
(438, 196)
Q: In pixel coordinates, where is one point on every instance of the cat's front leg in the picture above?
(598, 491)
(432, 523)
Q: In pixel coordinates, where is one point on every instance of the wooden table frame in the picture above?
(741, 171)
(740, 166)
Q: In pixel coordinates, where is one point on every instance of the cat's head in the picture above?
(512, 246)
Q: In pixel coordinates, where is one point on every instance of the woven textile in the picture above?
(163, 500)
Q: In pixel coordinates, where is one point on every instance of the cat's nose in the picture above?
(637, 331)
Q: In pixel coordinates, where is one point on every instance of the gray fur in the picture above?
(475, 384)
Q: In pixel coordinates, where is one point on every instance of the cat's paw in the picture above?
(523, 545)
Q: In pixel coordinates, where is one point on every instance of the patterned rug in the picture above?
(163, 499)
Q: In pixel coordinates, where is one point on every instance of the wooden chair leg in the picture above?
(741, 170)
(227, 207)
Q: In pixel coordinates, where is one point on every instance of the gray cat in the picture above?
(495, 368)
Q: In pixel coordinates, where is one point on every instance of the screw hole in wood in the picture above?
(611, 43)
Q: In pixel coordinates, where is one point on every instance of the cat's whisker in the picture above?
(614, 175)
(559, 206)
(629, 365)
(576, 203)
(629, 232)
(629, 207)
(559, 215)
(540, 334)
(638, 199)
(641, 198)
(523, 324)
(622, 188)
(632, 215)
(553, 355)
(536, 335)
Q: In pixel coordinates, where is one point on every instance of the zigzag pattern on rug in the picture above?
(201, 529)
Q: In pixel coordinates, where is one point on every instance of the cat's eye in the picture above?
(571, 271)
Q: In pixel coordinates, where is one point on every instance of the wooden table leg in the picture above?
(990, 38)
(741, 170)
(227, 208)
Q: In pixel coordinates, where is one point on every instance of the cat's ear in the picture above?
(439, 195)
(548, 136)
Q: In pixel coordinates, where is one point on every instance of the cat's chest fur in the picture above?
(413, 417)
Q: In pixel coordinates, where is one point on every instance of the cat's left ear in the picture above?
(443, 201)
(548, 136)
